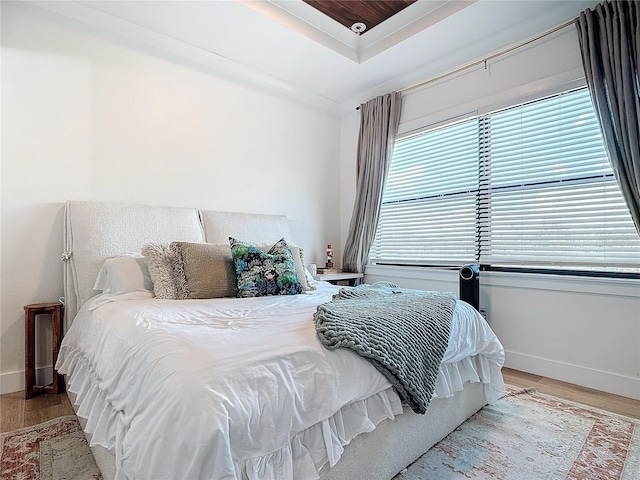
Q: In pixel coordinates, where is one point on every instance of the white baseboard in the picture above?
(14, 381)
(586, 377)
(11, 382)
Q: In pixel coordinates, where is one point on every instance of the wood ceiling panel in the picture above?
(369, 12)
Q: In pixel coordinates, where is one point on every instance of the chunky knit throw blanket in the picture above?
(402, 332)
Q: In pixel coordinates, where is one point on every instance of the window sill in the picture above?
(626, 287)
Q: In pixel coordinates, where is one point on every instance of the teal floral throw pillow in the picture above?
(260, 274)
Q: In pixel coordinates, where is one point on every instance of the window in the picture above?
(527, 187)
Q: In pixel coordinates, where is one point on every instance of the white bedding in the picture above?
(238, 388)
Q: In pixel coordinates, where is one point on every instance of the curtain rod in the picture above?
(484, 60)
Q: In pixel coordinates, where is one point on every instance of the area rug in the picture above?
(523, 436)
(526, 435)
(54, 450)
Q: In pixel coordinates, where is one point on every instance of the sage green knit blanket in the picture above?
(402, 332)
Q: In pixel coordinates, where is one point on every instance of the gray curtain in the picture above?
(610, 44)
(379, 119)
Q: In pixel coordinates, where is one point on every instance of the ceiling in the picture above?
(290, 47)
(360, 16)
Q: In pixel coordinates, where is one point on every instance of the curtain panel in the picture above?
(609, 39)
(379, 119)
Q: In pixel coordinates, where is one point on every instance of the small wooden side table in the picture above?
(336, 278)
(30, 312)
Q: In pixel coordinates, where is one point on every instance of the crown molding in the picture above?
(140, 35)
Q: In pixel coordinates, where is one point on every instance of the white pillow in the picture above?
(310, 280)
(123, 275)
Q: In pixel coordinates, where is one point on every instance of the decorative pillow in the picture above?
(260, 274)
(204, 270)
(124, 274)
(161, 260)
(309, 282)
(298, 260)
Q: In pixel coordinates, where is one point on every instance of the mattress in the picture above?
(239, 388)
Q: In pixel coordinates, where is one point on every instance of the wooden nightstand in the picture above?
(336, 278)
(30, 312)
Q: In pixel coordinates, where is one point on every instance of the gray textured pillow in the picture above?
(161, 260)
(204, 270)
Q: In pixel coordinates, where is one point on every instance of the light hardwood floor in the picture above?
(16, 412)
(587, 396)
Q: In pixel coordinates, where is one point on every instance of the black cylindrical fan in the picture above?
(470, 285)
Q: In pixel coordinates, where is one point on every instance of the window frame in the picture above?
(483, 119)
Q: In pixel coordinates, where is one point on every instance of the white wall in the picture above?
(85, 116)
(89, 117)
(583, 331)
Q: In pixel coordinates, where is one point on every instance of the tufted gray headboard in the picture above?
(95, 231)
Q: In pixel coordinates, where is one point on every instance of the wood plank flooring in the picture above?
(587, 396)
(16, 412)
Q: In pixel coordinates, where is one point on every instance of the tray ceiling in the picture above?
(359, 16)
(390, 30)
(293, 49)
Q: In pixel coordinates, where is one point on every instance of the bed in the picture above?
(237, 387)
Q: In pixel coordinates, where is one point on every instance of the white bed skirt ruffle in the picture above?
(308, 450)
(477, 368)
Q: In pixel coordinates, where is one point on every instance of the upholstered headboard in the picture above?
(95, 231)
(219, 226)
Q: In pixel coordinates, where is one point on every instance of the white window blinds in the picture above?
(428, 209)
(529, 186)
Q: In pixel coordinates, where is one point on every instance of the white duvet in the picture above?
(238, 388)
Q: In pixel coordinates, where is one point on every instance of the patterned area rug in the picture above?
(526, 435)
(54, 450)
(523, 436)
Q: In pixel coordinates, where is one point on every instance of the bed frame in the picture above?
(95, 231)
